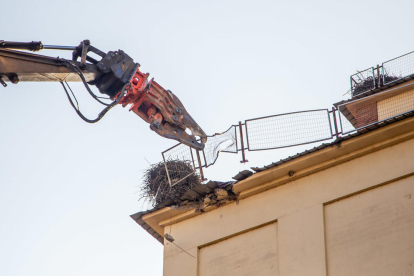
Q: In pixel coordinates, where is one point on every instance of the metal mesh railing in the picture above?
(293, 129)
(390, 71)
(373, 109)
(363, 81)
(398, 68)
(286, 130)
(220, 142)
(178, 160)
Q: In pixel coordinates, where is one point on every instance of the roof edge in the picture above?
(340, 151)
(330, 156)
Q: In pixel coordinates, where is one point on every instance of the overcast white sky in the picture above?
(67, 188)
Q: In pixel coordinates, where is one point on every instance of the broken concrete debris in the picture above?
(221, 194)
(207, 195)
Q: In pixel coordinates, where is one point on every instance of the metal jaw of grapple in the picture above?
(162, 110)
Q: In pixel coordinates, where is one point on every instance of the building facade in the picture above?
(344, 208)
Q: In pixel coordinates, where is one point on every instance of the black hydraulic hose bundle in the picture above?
(108, 107)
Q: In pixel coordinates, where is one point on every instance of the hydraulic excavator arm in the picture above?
(115, 75)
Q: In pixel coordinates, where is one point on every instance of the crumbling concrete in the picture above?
(217, 197)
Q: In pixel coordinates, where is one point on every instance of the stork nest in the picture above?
(156, 188)
(368, 83)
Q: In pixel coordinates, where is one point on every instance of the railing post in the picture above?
(205, 160)
(379, 76)
(352, 87)
(200, 166)
(242, 143)
(335, 124)
(166, 169)
(192, 158)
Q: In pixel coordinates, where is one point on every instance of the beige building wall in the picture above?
(228, 257)
(396, 105)
(346, 210)
(373, 231)
(356, 218)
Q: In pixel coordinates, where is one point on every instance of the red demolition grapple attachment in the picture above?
(112, 75)
(162, 110)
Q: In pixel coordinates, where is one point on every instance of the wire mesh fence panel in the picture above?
(347, 123)
(370, 110)
(398, 68)
(286, 130)
(363, 81)
(179, 163)
(220, 142)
